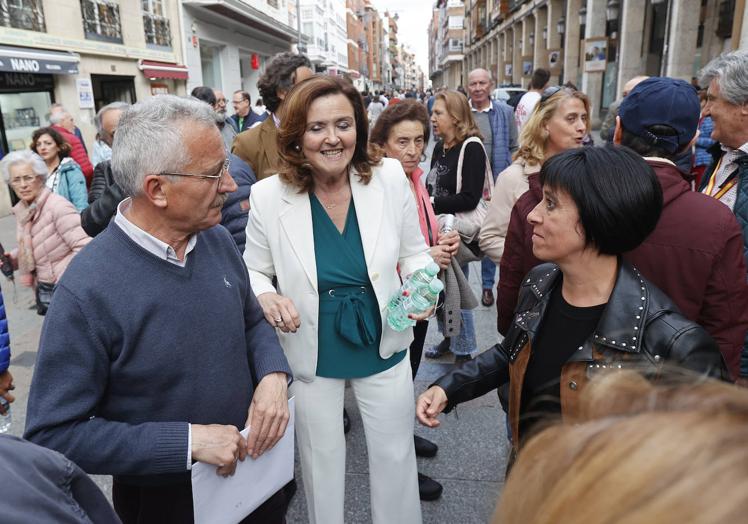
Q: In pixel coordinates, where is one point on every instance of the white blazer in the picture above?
(280, 242)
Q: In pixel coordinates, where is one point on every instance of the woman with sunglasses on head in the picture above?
(588, 311)
(454, 124)
(401, 132)
(558, 123)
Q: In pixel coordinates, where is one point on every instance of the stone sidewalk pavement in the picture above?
(472, 442)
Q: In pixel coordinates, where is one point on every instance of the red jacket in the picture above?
(694, 255)
(78, 152)
(517, 259)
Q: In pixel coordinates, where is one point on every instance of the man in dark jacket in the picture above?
(235, 211)
(727, 178)
(695, 255)
(53, 489)
(243, 116)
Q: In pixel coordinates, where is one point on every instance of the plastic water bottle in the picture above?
(417, 280)
(420, 278)
(447, 223)
(414, 303)
(7, 419)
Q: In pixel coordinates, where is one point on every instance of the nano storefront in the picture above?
(27, 82)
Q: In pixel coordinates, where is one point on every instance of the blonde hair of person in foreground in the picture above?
(644, 453)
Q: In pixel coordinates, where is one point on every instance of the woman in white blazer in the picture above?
(334, 227)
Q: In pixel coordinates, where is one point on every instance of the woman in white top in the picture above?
(376, 106)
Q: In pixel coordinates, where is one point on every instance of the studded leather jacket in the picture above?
(640, 328)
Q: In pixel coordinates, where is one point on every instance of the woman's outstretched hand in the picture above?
(280, 311)
(429, 405)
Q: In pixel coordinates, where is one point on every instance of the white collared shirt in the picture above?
(163, 251)
(147, 241)
(727, 165)
(488, 108)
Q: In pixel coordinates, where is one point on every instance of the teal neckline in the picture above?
(351, 212)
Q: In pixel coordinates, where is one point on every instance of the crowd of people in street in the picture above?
(255, 254)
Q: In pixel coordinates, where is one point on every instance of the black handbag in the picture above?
(44, 292)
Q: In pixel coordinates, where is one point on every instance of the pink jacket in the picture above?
(56, 234)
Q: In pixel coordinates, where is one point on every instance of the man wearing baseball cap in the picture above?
(695, 254)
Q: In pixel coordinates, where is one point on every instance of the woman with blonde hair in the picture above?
(452, 192)
(558, 123)
(639, 452)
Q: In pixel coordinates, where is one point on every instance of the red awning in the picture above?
(153, 69)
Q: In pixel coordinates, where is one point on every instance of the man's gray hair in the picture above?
(23, 156)
(121, 106)
(55, 117)
(731, 72)
(149, 138)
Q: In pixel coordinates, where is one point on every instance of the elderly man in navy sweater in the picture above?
(155, 352)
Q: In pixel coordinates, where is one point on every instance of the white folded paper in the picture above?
(219, 500)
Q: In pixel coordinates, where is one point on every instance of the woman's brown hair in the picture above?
(406, 110)
(459, 109)
(294, 167)
(644, 452)
(62, 144)
(533, 137)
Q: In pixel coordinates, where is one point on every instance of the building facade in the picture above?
(323, 22)
(447, 40)
(83, 54)
(358, 48)
(599, 44)
(229, 42)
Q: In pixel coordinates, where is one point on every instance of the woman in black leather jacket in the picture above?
(587, 312)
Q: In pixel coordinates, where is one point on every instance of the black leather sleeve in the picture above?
(476, 377)
(95, 218)
(686, 344)
(99, 182)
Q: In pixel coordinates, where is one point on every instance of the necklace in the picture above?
(330, 203)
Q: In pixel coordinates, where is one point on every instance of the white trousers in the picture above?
(387, 405)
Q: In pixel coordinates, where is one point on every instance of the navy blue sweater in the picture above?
(235, 210)
(134, 347)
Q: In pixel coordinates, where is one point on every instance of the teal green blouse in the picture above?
(350, 326)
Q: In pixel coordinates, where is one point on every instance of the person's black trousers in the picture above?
(172, 504)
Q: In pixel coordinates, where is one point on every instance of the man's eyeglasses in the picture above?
(216, 176)
(22, 179)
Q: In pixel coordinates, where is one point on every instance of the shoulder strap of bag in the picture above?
(488, 182)
(462, 157)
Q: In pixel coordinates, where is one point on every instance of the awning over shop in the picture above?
(38, 61)
(153, 69)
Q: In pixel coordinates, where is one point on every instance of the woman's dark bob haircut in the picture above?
(405, 110)
(616, 192)
(294, 168)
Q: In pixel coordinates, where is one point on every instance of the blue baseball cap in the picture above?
(662, 101)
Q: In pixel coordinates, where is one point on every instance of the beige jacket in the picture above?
(510, 185)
